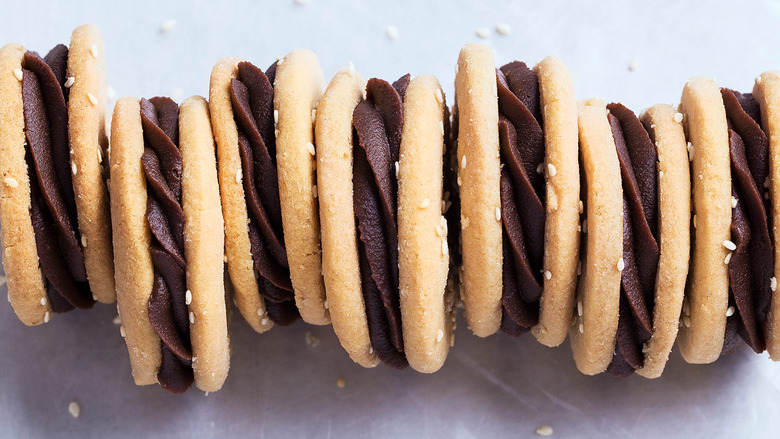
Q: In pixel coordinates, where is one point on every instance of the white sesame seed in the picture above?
(43, 301)
(633, 64)
(260, 312)
(188, 297)
(730, 311)
(581, 328)
(46, 317)
(351, 68)
(397, 169)
(729, 245)
(94, 51)
(425, 203)
(694, 221)
(551, 170)
(460, 180)
(370, 350)
(74, 409)
(439, 335)
(579, 307)
(94, 297)
(325, 304)
(276, 116)
(579, 268)
(192, 317)
(456, 68)
(19, 74)
(547, 274)
(464, 222)
(439, 231)
(83, 241)
(117, 320)
(678, 117)
(687, 321)
(773, 283)
(733, 202)
(122, 331)
(728, 258)
(758, 79)
(690, 151)
(660, 174)
(392, 32)
(581, 206)
(621, 264)
(99, 155)
(313, 115)
(314, 191)
(498, 214)
(239, 176)
(503, 29)
(544, 430)
(264, 321)
(310, 147)
(92, 99)
(74, 168)
(445, 250)
(463, 162)
(439, 97)
(69, 82)
(483, 32)
(11, 182)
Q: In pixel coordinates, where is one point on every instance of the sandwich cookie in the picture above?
(56, 235)
(167, 219)
(594, 327)
(519, 195)
(381, 151)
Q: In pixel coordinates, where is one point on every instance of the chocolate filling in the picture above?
(638, 167)
(168, 311)
(53, 201)
(752, 263)
(252, 96)
(377, 123)
(521, 137)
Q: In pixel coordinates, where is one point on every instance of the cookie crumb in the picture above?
(69, 82)
(503, 28)
(551, 171)
(94, 51)
(311, 340)
(46, 317)
(92, 99)
(633, 64)
(310, 147)
(117, 320)
(18, 73)
(341, 383)
(392, 32)
(483, 32)
(729, 245)
(498, 214)
(544, 430)
(621, 264)
(74, 409)
(425, 203)
(11, 182)
(188, 297)
(728, 258)
(773, 283)
(168, 25)
(678, 117)
(730, 311)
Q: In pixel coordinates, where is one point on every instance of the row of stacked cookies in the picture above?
(358, 205)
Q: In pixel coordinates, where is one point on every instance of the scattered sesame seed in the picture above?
(397, 169)
(392, 32)
(544, 430)
(730, 311)
(579, 268)
(188, 297)
(690, 151)
(441, 126)
(11, 182)
(733, 202)
(456, 68)
(581, 206)
(694, 221)
(758, 79)
(634, 64)
(460, 180)
(370, 350)
(94, 51)
(351, 68)
(621, 264)
(99, 155)
(122, 330)
(551, 170)
(579, 307)
(239, 176)
(439, 231)
(313, 115)
(445, 250)
(483, 32)
(276, 116)
(310, 147)
(94, 297)
(83, 241)
(728, 258)
(341, 383)
(19, 74)
(46, 317)
(425, 203)
(463, 162)
(547, 274)
(192, 317)
(325, 304)
(279, 61)
(92, 99)
(439, 335)
(314, 192)
(581, 328)
(687, 321)
(766, 195)
(660, 174)
(464, 222)
(498, 214)
(117, 320)
(74, 409)
(773, 283)
(503, 29)
(69, 82)
(264, 321)
(678, 117)
(540, 168)
(729, 245)
(438, 95)
(74, 168)
(43, 301)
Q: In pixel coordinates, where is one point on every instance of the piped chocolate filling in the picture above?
(168, 307)
(53, 202)
(638, 168)
(252, 96)
(521, 137)
(377, 123)
(751, 264)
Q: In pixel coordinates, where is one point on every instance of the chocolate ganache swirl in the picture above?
(377, 122)
(521, 138)
(752, 262)
(638, 168)
(53, 201)
(252, 97)
(168, 310)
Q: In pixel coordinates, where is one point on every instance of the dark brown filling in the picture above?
(252, 96)
(752, 263)
(521, 137)
(168, 311)
(53, 201)
(638, 168)
(377, 123)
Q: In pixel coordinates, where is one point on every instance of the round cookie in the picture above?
(702, 333)
(767, 92)
(89, 148)
(663, 123)
(561, 237)
(598, 292)
(340, 264)
(481, 231)
(237, 245)
(427, 312)
(298, 88)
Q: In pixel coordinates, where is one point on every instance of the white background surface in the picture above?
(500, 386)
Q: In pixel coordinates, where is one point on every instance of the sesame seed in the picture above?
(99, 155)
(314, 192)
(188, 297)
(621, 264)
(728, 258)
(260, 312)
(276, 116)
(425, 203)
(92, 99)
(660, 174)
(392, 32)
(439, 97)
(239, 176)
(690, 151)
(634, 64)
(74, 409)
(551, 170)
(544, 430)
(122, 330)
(456, 69)
(94, 51)
(581, 328)
(397, 169)
(341, 383)
(687, 308)
(460, 180)
(579, 268)
(439, 231)
(503, 29)
(74, 168)
(687, 321)
(279, 61)
(540, 168)
(483, 32)
(773, 283)
(733, 202)
(730, 311)
(192, 317)
(678, 117)
(441, 126)
(43, 301)
(694, 221)
(325, 304)
(463, 162)
(83, 241)
(69, 82)
(313, 115)
(585, 225)
(310, 147)
(11, 182)
(729, 245)
(439, 335)
(370, 349)
(46, 317)
(464, 222)
(758, 79)
(445, 250)
(581, 206)
(498, 214)
(19, 74)
(264, 321)
(351, 68)
(117, 320)
(94, 297)
(547, 274)
(766, 195)
(579, 307)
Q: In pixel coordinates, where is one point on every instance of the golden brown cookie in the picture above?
(593, 330)
(663, 123)
(561, 237)
(298, 88)
(702, 333)
(427, 312)
(481, 230)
